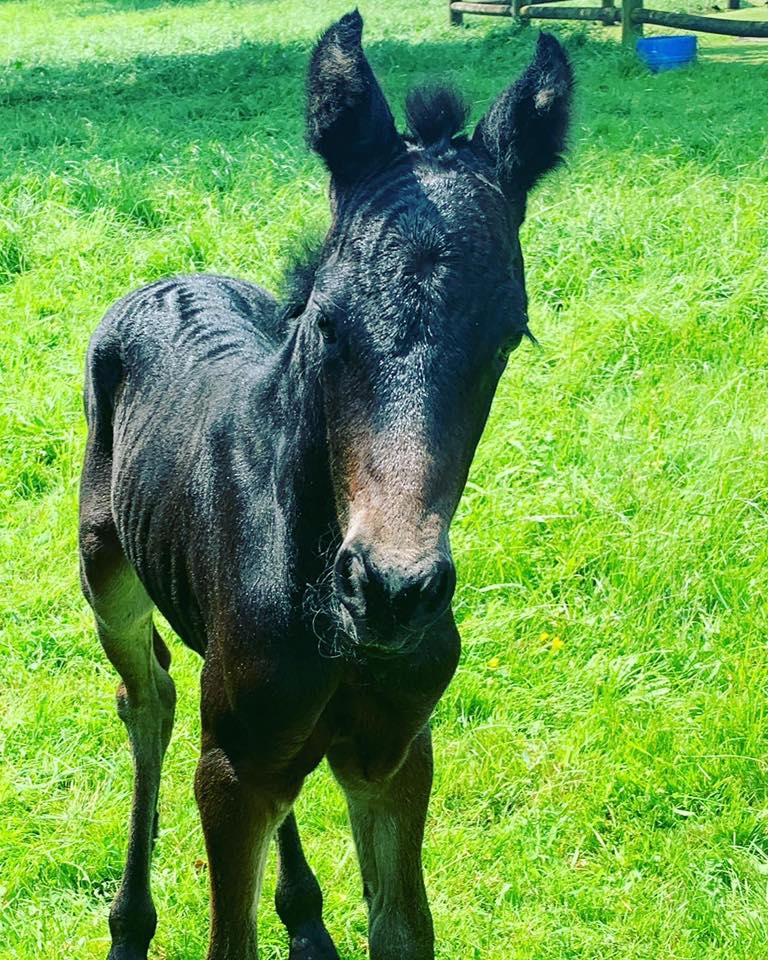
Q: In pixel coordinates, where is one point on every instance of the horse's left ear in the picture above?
(525, 129)
(349, 122)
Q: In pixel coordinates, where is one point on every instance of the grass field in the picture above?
(602, 781)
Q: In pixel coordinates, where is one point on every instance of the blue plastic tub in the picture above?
(667, 53)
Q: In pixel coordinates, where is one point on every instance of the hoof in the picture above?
(125, 951)
(313, 944)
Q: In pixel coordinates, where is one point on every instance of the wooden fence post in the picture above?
(454, 17)
(630, 30)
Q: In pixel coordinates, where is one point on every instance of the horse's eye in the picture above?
(508, 347)
(326, 328)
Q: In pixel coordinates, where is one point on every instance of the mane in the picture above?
(435, 114)
(299, 278)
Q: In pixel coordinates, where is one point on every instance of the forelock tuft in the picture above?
(435, 114)
(299, 277)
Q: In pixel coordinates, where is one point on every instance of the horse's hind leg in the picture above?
(298, 898)
(146, 696)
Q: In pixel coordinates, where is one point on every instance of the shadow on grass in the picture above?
(128, 6)
(153, 111)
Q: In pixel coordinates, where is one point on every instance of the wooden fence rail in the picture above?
(691, 21)
(631, 16)
(535, 12)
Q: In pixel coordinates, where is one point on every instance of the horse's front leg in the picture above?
(240, 813)
(387, 819)
(260, 739)
(243, 795)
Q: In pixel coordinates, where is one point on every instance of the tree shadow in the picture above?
(97, 7)
(255, 90)
(155, 113)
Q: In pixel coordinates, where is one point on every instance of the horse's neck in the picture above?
(299, 475)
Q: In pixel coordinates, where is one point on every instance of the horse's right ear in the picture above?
(349, 122)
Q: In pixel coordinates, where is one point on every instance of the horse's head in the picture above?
(418, 302)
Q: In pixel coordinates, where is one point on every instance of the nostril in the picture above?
(351, 578)
(419, 604)
(437, 591)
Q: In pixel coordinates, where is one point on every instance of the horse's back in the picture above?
(176, 330)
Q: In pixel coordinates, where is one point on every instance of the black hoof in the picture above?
(132, 924)
(313, 944)
(124, 951)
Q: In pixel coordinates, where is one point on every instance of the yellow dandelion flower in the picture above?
(543, 636)
(494, 663)
(557, 644)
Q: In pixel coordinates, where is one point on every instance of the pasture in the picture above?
(602, 754)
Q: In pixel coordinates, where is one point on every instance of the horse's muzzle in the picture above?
(408, 597)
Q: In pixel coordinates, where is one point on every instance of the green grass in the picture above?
(602, 797)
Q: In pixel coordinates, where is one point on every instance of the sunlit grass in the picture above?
(602, 796)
